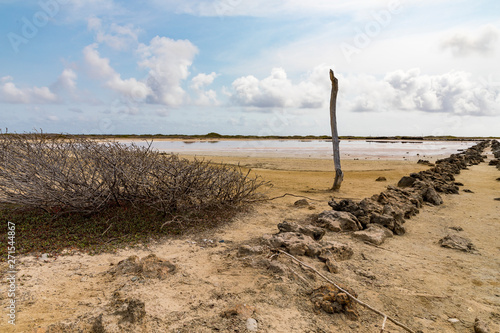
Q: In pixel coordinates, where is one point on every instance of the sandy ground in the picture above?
(409, 277)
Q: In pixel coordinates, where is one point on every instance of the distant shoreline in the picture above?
(217, 136)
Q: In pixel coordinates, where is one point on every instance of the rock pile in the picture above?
(332, 300)
(392, 207)
(306, 241)
(495, 148)
(148, 267)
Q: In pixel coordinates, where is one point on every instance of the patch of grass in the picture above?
(40, 232)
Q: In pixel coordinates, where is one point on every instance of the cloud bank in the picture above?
(454, 92)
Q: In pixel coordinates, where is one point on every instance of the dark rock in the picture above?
(345, 205)
(368, 205)
(467, 190)
(431, 196)
(406, 181)
(381, 179)
(457, 243)
(338, 221)
(331, 264)
(301, 203)
(497, 199)
(375, 234)
(458, 184)
(315, 232)
(494, 162)
(446, 188)
(384, 220)
(498, 179)
(392, 218)
(425, 162)
(480, 326)
(456, 228)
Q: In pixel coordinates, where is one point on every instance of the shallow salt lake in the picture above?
(349, 149)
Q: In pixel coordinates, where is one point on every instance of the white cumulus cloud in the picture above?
(118, 37)
(100, 68)
(66, 81)
(10, 93)
(454, 92)
(168, 63)
(482, 41)
(278, 91)
(198, 85)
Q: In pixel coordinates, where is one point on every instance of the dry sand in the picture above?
(409, 277)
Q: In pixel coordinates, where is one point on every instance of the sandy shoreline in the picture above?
(410, 276)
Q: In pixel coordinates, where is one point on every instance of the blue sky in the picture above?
(250, 67)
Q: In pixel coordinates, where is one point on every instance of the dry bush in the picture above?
(80, 175)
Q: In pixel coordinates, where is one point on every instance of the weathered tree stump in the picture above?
(339, 175)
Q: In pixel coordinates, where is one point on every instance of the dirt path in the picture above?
(410, 277)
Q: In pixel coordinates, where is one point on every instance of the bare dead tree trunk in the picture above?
(339, 175)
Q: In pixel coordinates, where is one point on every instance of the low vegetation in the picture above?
(80, 193)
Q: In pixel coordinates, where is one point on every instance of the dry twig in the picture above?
(293, 195)
(383, 324)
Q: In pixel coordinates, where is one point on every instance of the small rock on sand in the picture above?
(457, 243)
(381, 179)
(252, 325)
(301, 203)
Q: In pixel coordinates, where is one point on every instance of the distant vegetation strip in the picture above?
(215, 136)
